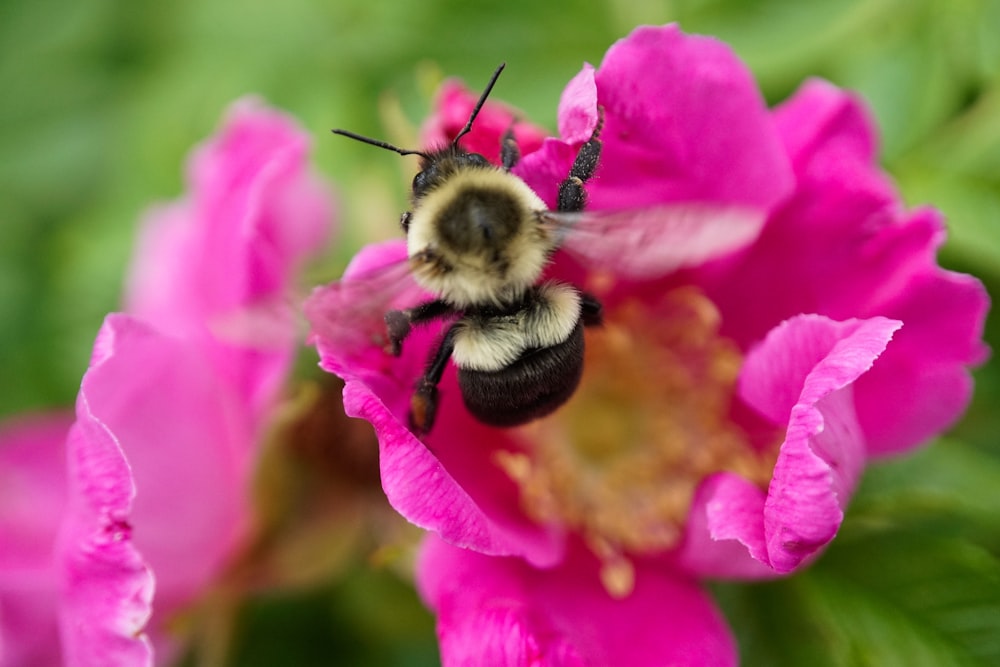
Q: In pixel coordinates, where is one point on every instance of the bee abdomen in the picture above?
(534, 385)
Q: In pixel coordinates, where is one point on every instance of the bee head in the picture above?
(472, 234)
(475, 237)
(437, 167)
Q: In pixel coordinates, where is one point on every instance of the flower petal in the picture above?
(169, 406)
(577, 112)
(188, 439)
(502, 611)
(854, 253)
(452, 108)
(218, 264)
(449, 482)
(680, 111)
(802, 375)
(107, 587)
(32, 500)
(253, 212)
(927, 368)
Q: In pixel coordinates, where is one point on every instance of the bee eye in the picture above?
(420, 183)
(477, 160)
(404, 221)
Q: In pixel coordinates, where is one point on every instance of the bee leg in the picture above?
(591, 310)
(572, 196)
(399, 323)
(509, 151)
(424, 402)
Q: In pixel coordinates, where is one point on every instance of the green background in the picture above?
(100, 101)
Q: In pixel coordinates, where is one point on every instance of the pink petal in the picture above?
(188, 439)
(724, 536)
(683, 121)
(32, 488)
(219, 263)
(578, 107)
(169, 412)
(32, 500)
(927, 368)
(106, 585)
(452, 108)
(502, 611)
(803, 375)
(826, 235)
(253, 212)
(854, 253)
(448, 483)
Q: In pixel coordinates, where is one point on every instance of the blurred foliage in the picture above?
(102, 100)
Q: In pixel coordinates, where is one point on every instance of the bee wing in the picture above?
(348, 315)
(270, 323)
(649, 242)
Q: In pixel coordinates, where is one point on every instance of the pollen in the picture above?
(620, 462)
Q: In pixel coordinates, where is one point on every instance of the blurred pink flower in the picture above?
(153, 480)
(727, 409)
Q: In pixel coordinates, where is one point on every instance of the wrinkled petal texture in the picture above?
(843, 247)
(803, 374)
(106, 586)
(32, 498)
(503, 612)
(218, 264)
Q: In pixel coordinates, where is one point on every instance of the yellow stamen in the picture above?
(620, 462)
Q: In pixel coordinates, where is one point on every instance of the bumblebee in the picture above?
(478, 239)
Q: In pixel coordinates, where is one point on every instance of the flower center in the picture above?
(620, 462)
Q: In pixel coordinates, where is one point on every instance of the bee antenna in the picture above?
(479, 104)
(379, 143)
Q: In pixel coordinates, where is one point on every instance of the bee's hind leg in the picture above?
(591, 310)
(424, 402)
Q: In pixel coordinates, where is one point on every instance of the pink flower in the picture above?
(454, 103)
(502, 611)
(728, 405)
(169, 414)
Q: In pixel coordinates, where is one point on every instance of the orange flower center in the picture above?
(620, 462)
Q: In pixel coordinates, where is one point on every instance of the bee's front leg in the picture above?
(399, 323)
(424, 402)
(510, 154)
